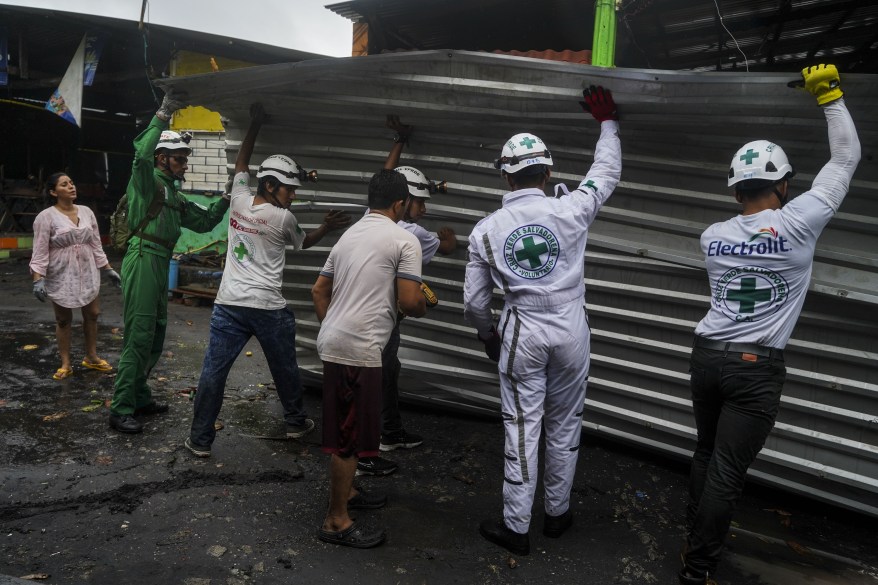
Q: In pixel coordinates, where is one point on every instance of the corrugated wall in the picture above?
(644, 272)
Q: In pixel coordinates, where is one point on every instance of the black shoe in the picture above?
(689, 577)
(299, 431)
(151, 408)
(125, 423)
(400, 440)
(497, 533)
(375, 466)
(366, 501)
(195, 449)
(555, 526)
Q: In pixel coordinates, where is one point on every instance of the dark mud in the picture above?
(83, 504)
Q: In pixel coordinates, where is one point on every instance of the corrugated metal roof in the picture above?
(774, 35)
(644, 270)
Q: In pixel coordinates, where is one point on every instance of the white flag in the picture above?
(67, 99)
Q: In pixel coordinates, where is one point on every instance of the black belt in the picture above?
(735, 347)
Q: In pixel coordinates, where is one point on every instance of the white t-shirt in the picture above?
(364, 265)
(258, 236)
(759, 265)
(429, 240)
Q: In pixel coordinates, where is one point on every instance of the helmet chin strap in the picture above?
(167, 167)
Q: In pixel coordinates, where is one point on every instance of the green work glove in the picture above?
(822, 81)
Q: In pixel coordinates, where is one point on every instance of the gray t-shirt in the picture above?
(364, 265)
(258, 236)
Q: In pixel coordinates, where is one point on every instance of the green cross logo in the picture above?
(590, 184)
(748, 156)
(531, 252)
(528, 142)
(240, 251)
(748, 295)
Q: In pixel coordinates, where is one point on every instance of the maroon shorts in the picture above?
(351, 410)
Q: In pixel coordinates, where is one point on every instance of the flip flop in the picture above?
(62, 373)
(100, 365)
(352, 536)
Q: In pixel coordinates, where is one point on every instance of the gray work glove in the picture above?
(173, 101)
(40, 290)
(114, 278)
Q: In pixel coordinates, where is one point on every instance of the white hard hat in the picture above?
(171, 140)
(760, 160)
(419, 185)
(521, 151)
(285, 170)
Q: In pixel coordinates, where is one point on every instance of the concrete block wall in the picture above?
(207, 172)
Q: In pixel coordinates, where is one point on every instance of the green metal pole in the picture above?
(603, 50)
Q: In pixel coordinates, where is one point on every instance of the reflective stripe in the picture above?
(519, 415)
(489, 252)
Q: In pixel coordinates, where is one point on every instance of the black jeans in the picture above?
(735, 403)
(391, 420)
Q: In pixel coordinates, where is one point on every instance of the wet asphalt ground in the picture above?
(83, 504)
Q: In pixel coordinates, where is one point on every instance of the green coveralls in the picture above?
(145, 267)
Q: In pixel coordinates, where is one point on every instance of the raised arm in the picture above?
(257, 117)
(834, 179)
(403, 132)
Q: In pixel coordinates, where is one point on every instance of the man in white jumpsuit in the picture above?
(533, 248)
(759, 265)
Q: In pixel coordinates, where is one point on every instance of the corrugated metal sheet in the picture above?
(774, 35)
(645, 278)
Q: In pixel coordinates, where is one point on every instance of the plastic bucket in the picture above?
(173, 274)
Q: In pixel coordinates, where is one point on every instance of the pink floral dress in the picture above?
(69, 256)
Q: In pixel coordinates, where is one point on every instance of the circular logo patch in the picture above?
(750, 293)
(531, 251)
(242, 249)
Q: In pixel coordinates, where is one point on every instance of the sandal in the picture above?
(62, 373)
(352, 536)
(100, 365)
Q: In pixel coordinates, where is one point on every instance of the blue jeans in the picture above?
(735, 403)
(231, 328)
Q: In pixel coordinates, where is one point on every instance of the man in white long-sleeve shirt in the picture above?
(533, 248)
(759, 265)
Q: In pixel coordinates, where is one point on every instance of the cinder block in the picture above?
(196, 160)
(194, 177)
(215, 160)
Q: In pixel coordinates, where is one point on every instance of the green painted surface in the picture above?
(214, 240)
(603, 50)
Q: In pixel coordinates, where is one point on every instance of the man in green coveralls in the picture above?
(156, 212)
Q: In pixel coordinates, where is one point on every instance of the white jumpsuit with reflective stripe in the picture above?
(533, 248)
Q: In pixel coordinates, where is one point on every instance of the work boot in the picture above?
(151, 408)
(498, 533)
(125, 423)
(555, 526)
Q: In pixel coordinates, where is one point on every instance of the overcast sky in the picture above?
(304, 25)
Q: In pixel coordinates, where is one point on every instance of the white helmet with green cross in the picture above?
(760, 161)
(522, 151)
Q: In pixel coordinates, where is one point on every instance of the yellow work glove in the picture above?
(822, 81)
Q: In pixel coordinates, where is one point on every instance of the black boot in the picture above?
(497, 533)
(125, 423)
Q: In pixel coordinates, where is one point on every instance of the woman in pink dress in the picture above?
(67, 257)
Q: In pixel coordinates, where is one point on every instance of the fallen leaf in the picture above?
(55, 416)
(29, 348)
(802, 550)
(218, 425)
(35, 577)
(189, 323)
(169, 354)
(2, 403)
(104, 460)
(114, 330)
(511, 562)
